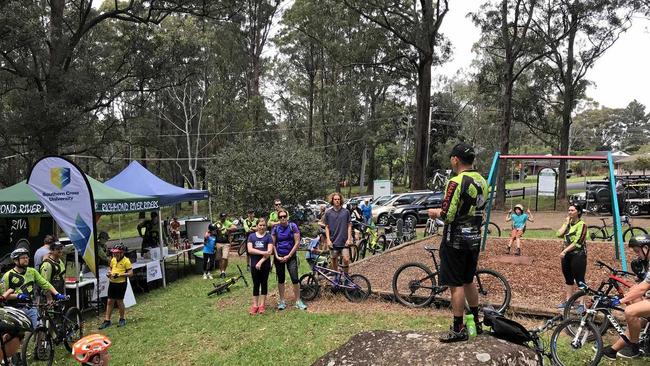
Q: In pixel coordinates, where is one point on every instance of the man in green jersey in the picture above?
(462, 212)
(225, 227)
(21, 279)
(53, 268)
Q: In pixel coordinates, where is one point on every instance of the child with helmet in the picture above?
(92, 350)
(120, 268)
(519, 219)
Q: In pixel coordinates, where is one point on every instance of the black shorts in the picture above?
(116, 291)
(457, 266)
(574, 267)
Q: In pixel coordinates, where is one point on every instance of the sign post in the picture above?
(546, 186)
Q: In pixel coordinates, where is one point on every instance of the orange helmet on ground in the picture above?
(89, 346)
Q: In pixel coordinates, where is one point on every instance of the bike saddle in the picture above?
(430, 249)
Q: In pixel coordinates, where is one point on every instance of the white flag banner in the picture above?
(65, 191)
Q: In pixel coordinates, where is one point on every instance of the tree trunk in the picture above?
(362, 175)
(421, 134)
(371, 169)
(567, 108)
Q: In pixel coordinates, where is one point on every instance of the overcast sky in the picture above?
(619, 76)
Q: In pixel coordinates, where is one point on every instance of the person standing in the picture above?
(119, 269)
(224, 228)
(151, 234)
(43, 251)
(519, 219)
(175, 231)
(208, 251)
(53, 268)
(260, 249)
(574, 254)
(366, 210)
(338, 231)
(250, 222)
(273, 216)
(462, 213)
(286, 240)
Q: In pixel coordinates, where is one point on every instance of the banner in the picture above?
(65, 192)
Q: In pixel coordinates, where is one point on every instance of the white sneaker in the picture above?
(210, 275)
(205, 276)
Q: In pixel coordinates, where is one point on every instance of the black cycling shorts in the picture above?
(574, 267)
(457, 266)
(116, 291)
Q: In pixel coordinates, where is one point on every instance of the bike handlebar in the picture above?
(613, 270)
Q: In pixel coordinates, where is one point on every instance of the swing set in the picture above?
(618, 236)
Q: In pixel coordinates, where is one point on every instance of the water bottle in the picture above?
(471, 325)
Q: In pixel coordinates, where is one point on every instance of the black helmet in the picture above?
(19, 252)
(212, 227)
(639, 267)
(14, 321)
(639, 241)
(56, 245)
(223, 215)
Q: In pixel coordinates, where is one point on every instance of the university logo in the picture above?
(60, 177)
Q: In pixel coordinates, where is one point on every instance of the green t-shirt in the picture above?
(224, 226)
(575, 234)
(273, 216)
(463, 195)
(24, 283)
(53, 271)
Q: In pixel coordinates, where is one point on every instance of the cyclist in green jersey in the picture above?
(462, 212)
(53, 268)
(225, 228)
(273, 216)
(250, 222)
(21, 279)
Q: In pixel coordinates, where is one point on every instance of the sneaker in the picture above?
(121, 323)
(210, 276)
(508, 250)
(453, 336)
(300, 305)
(630, 351)
(282, 305)
(222, 275)
(105, 324)
(261, 309)
(518, 251)
(254, 310)
(561, 305)
(205, 276)
(609, 353)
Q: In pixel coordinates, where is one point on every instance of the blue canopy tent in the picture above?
(136, 178)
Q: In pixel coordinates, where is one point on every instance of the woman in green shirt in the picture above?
(574, 254)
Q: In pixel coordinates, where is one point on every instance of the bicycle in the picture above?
(225, 286)
(433, 228)
(439, 181)
(371, 240)
(586, 330)
(415, 285)
(56, 327)
(596, 232)
(356, 287)
(577, 304)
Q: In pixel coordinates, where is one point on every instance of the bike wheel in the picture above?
(575, 308)
(361, 288)
(354, 253)
(493, 290)
(362, 248)
(414, 285)
(38, 348)
(309, 287)
(73, 326)
(633, 231)
(576, 349)
(242, 248)
(381, 243)
(596, 233)
(494, 229)
(428, 230)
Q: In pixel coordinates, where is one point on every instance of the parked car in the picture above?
(416, 212)
(381, 200)
(381, 214)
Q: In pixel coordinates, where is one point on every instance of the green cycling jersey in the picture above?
(53, 271)
(250, 224)
(575, 233)
(465, 197)
(23, 283)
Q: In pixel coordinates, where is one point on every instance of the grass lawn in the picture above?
(180, 325)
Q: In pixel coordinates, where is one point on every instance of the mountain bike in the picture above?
(595, 232)
(580, 301)
(371, 241)
(58, 325)
(356, 287)
(584, 330)
(415, 285)
(439, 181)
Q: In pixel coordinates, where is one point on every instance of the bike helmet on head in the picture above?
(56, 245)
(14, 321)
(89, 346)
(19, 252)
(119, 248)
(212, 227)
(639, 241)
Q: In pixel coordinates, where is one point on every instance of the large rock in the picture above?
(420, 348)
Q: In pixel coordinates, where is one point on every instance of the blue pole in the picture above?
(618, 233)
(491, 184)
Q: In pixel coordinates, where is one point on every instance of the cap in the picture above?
(463, 151)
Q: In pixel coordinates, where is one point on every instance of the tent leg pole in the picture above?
(160, 245)
(119, 226)
(76, 269)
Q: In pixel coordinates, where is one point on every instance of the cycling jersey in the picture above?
(54, 272)
(462, 210)
(250, 224)
(119, 268)
(23, 283)
(575, 234)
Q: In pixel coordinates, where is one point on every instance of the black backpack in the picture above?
(506, 329)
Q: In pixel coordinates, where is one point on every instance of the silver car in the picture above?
(381, 214)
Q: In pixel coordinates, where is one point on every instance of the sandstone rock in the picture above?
(422, 348)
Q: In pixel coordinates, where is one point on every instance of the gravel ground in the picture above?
(537, 287)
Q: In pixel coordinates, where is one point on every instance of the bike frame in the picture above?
(326, 273)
